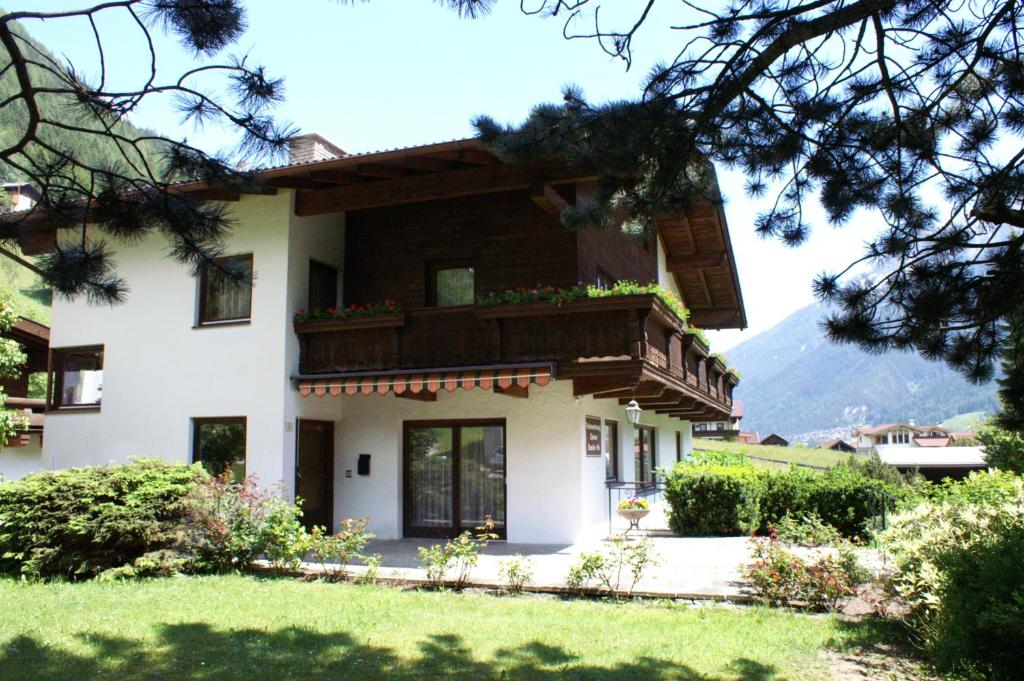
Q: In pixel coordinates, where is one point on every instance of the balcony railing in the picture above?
(638, 327)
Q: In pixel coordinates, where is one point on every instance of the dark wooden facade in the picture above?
(505, 237)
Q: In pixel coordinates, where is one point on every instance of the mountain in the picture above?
(93, 150)
(796, 381)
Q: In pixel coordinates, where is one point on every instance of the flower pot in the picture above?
(633, 515)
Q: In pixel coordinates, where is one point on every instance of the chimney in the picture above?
(312, 147)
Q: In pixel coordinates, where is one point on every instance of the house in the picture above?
(775, 440)
(870, 438)
(934, 463)
(18, 196)
(721, 430)
(838, 445)
(370, 371)
(751, 438)
(23, 453)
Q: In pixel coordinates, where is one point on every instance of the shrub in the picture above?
(713, 500)
(957, 565)
(785, 493)
(1004, 449)
(621, 560)
(730, 500)
(80, 522)
(334, 552)
(781, 578)
(713, 458)
(460, 554)
(808, 530)
(515, 573)
(230, 525)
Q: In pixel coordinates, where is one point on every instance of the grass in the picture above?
(968, 421)
(806, 455)
(245, 628)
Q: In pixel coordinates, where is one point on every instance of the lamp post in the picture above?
(633, 412)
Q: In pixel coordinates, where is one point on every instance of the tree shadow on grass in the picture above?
(196, 651)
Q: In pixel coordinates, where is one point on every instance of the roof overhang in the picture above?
(698, 249)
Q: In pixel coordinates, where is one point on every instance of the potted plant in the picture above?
(633, 509)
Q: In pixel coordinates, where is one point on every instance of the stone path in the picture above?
(688, 567)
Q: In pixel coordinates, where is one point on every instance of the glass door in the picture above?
(643, 454)
(454, 477)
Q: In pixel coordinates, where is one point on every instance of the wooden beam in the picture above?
(421, 396)
(434, 165)
(403, 190)
(382, 170)
(641, 390)
(695, 261)
(474, 156)
(588, 385)
(337, 176)
(549, 200)
(513, 390)
(706, 318)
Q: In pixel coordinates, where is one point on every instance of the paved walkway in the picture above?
(688, 567)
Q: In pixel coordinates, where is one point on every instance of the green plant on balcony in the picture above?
(561, 296)
(378, 309)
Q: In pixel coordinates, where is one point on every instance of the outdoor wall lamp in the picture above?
(633, 412)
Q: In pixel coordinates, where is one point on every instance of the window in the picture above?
(679, 446)
(604, 280)
(219, 444)
(611, 450)
(225, 290)
(643, 454)
(453, 286)
(77, 380)
(323, 286)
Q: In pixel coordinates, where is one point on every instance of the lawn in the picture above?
(246, 628)
(807, 455)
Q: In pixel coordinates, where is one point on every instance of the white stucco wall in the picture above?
(159, 371)
(556, 494)
(17, 462)
(665, 278)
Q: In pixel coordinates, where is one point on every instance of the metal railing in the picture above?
(653, 492)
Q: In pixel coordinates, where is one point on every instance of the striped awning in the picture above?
(419, 382)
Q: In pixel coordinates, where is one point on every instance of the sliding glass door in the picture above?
(643, 454)
(454, 477)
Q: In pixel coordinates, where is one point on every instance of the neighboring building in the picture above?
(20, 196)
(751, 438)
(934, 463)
(838, 445)
(775, 440)
(24, 451)
(431, 412)
(721, 430)
(870, 438)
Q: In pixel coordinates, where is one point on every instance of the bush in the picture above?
(781, 578)
(80, 522)
(730, 500)
(713, 500)
(460, 554)
(334, 552)
(701, 457)
(230, 525)
(1004, 449)
(785, 493)
(809, 530)
(609, 569)
(515, 572)
(957, 568)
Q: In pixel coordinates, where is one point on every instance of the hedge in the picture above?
(735, 500)
(713, 500)
(79, 522)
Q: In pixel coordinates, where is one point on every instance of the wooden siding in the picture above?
(616, 254)
(506, 237)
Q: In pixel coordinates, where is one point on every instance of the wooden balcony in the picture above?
(605, 345)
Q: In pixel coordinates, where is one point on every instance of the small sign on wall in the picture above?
(593, 436)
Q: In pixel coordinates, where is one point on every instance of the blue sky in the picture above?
(393, 73)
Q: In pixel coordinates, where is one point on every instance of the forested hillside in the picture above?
(795, 381)
(93, 150)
